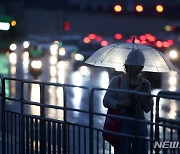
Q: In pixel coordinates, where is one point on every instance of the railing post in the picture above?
(22, 139)
(166, 94)
(151, 131)
(42, 121)
(157, 123)
(91, 149)
(65, 123)
(3, 117)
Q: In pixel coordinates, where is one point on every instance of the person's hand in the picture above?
(125, 103)
(144, 87)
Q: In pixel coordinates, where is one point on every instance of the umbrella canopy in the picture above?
(116, 55)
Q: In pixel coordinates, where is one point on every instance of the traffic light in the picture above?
(66, 26)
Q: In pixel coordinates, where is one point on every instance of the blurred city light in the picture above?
(53, 71)
(173, 54)
(143, 42)
(159, 44)
(4, 26)
(26, 44)
(151, 38)
(86, 40)
(142, 37)
(171, 42)
(53, 49)
(53, 60)
(118, 36)
(129, 41)
(13, 23)
(84, 70)
(79, 57)
(104, 76)
(159, 8)
(13, 69)
(66, 25)
(139, 8)
(167, 28)
(62, 51)
(35, 97)
(92, 36)
(117, 8)
(13, 58)
(25, 58)
(99, 38)
(104, 43)
(63, 65)
(36, 64)
(165, 44)
(172, 80)
(13, 47)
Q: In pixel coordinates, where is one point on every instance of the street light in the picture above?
(139, 8)
(159, 8)
(117, 8)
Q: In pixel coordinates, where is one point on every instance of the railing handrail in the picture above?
(45, 83)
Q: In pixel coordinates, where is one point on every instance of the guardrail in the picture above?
(24, 132)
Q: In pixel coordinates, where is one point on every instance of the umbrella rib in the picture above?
(107, 54)
(164, 60)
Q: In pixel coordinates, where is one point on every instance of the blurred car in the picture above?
(35, 57)
(35, 67)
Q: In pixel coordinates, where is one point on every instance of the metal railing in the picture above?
(24, 133)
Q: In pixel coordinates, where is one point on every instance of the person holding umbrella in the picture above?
(130, 105)
(135, 58)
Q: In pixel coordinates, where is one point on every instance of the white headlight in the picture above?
(13, 58)
(36, 64)
(62, 51)
(79, 57)
(26, 44)
(84, 70)
(53, 49)
(53, 60)
(13, 47)
(173, 54)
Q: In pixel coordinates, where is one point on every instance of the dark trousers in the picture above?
(129, 145)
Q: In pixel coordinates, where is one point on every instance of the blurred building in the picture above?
(166, 8)
(82, 16)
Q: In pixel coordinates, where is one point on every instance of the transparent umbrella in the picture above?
(116, 55)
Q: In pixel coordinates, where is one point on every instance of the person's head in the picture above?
(133, 70)
(134, 62)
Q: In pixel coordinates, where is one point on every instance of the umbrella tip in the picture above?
(133, 39)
